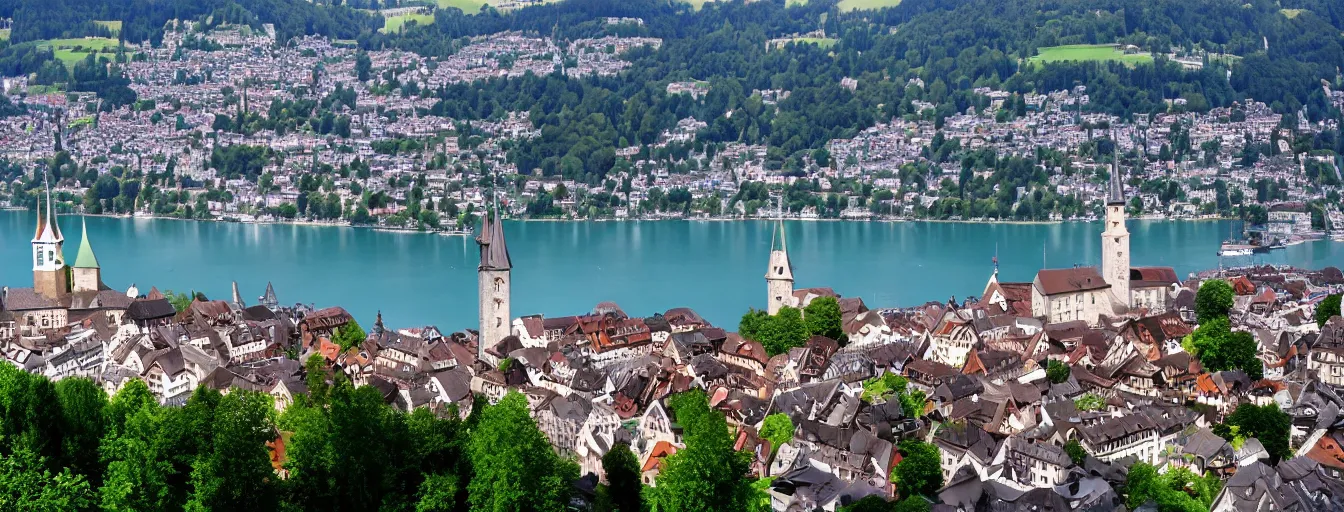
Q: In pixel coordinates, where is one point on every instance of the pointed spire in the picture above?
(237, 297)
(780, 266)
(1115, 193)
(48, 231)
(85, 258)
(269, 299)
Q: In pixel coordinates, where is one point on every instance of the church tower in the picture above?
(1115, 238)
(49, 275)
(779, 277)
(88, 275)
(493, 285)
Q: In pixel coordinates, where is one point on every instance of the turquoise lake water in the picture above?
(562, 268)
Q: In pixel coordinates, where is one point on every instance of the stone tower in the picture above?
(49, 274)
(779, 277)
(1115, 239)
(493, 285)
(88, 276)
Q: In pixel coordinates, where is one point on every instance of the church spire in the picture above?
(1115, 193)
(85, 258)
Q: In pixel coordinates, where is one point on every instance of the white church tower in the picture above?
(493, 285)
(779, 277)
(49, 276)
(1115, 239)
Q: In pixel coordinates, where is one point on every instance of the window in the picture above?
(41, 258)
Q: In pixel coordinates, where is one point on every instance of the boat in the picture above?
(1235, 252)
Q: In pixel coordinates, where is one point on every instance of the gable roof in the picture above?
(1069, 280)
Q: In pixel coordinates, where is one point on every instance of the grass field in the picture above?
(1088, 52)
(466, 6)
(394, 23)
(824, 42)
(4, 34)
(70, 51)
(1292, 13)
(850, 5)
(113, 26)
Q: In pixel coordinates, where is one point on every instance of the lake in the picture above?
(564, 268)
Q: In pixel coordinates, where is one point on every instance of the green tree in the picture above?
(1057, 371)
(623, 486)
(777, 428)
(236, 474)
(1213, 300)
(82, 404)
(752, 322)
(349, 335)
(180, 301)
(708, 475)
(1268, 424)
(26, 484)
(315, 376)
(784, 330)
(1075, 451)
(1144, 484)
(1089, 402)
(823, 318)
(438, 493)
(920, 471)
(1327, 308)
(514, 465)
(1218, 348)
(137, 467)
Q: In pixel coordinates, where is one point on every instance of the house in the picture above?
(1063, 295)
(1024, 464)
(952, 339)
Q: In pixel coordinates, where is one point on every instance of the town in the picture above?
(232, 124)
(1088, 388)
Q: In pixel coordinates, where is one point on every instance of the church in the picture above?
(1087, 293)
(61, 295)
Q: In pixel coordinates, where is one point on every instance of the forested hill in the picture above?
(143, 20)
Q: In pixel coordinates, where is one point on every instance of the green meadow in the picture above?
(395, 23)
(1088, 52)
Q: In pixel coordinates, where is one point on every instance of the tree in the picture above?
(180, 301)
(363, 66)
(708, 475)
(137, 468)
(778, 429)
(236, 474)
(1265, 423)
(1089, 402)
(752, 322)
(784, 330)
(1057, 371)
(349, 335)
(1327, 308)
(82, 423)
(920, 471)
(315, 376)
(623, 485)
(1075, 451)
(1144, 484)
(515, 467)
(823, 318)
(1218, 348)
(1213, 300)
(26, 484)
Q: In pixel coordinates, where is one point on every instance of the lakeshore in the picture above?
(568, 267)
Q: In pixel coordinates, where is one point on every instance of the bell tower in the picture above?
(88, 275)
(493, 285)
(49, 273)
(779, 276)
(1115, 238)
